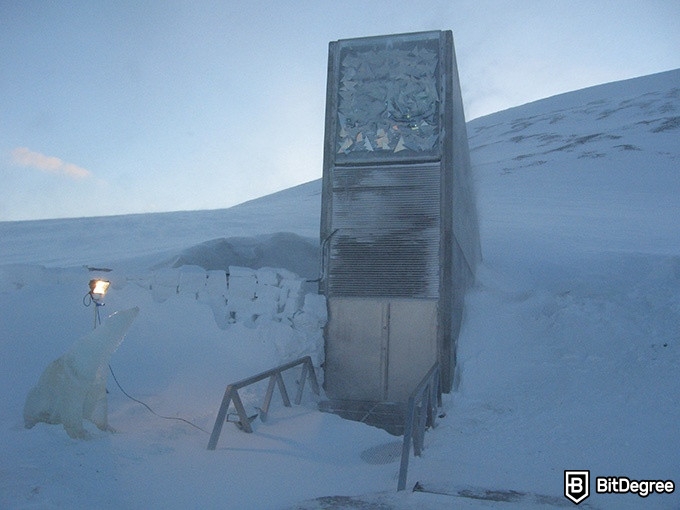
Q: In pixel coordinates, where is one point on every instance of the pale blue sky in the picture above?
(144, 106)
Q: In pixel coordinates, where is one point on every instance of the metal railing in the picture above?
(421, 413)
(275, 379)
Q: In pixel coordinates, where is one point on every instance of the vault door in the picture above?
(357, 358)
(412, 345)
(382, 347)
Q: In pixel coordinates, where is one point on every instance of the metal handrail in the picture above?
(275, 379)
(421, 412)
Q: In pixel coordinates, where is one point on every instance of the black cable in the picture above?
(97, 304)
(151, 410)
(88, 302)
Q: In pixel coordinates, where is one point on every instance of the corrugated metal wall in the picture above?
(388, 231)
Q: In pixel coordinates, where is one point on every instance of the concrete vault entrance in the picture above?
(399, 227)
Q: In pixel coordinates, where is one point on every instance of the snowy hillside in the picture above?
(568, 357)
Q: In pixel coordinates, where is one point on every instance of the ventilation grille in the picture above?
(387, 227)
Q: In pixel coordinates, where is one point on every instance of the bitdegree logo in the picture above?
(623, 485)
(576, 485)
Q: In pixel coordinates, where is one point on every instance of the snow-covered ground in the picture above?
(568, 357)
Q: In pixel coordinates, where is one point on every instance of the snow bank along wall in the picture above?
(398, 224)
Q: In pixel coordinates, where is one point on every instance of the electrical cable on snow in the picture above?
(88, 302)
(151, 410)
(97, 304)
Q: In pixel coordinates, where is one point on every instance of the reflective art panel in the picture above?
(388, 99)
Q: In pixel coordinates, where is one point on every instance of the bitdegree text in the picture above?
(622, 485)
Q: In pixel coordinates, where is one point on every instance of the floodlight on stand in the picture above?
(98, 288)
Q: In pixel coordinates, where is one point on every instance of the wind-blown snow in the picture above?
(568, 356)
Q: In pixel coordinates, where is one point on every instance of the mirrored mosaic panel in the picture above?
(388, 99)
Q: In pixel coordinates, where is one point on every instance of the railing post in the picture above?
(242, 415)
(419, 432)
(307, 372)
(431, 409)
(311, 373)
(267, 399)
(406, 445)
(301, 385)
(421, 412)
(282, 389)
(221, 417)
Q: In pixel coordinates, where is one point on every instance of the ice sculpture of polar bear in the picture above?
(73, 387)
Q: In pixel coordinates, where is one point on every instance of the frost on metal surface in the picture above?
(388, 99)
(394, 253)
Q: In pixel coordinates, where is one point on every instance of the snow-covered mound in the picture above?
(285, 250)
(568, 354)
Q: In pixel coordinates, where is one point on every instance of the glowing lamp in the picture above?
(97, 292)
(98, 288)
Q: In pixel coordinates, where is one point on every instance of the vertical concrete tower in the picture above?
(398, 226)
